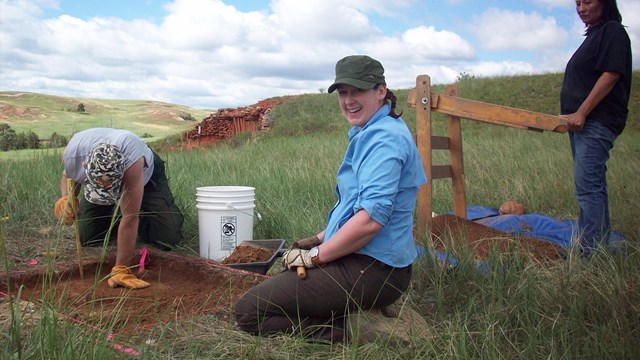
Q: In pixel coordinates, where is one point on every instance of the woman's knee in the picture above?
(246, 312)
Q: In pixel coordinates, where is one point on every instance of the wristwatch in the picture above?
(314, 252)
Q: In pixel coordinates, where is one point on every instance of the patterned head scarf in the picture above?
(104, 171)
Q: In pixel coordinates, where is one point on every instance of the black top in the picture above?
(606, 48)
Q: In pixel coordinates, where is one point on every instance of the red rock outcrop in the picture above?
(226, 123)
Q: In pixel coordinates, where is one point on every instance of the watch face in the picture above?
(314, 251)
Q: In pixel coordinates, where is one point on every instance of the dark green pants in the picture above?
(318, 305)
(160, 219)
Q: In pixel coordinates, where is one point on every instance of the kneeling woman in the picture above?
(362, 260)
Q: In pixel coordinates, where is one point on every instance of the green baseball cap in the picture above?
(360, 71)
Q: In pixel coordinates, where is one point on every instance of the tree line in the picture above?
(10, 140)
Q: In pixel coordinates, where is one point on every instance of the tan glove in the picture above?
(63, 211)
(122, 276)
(306, 244)
(294, 258)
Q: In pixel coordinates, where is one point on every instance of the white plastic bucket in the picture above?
(224, 222)
(233, 199)
(225, 191)
(229, 205)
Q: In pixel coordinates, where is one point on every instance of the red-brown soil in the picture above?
(228, 122)
(180, 288)
(450, 231)
(185, 287)
(248, 254)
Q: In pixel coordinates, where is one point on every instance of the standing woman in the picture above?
(594, 100)
(362, 259)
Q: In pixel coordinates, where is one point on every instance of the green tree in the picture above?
(33, 141)
(56, 140)
(7, 137)
(21, 141)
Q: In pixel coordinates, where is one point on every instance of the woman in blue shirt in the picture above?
(362, 259)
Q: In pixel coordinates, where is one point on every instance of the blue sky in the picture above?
(214, 54)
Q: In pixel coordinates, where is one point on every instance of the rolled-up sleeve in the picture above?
(378, 164)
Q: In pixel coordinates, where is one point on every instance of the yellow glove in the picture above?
(297, 257)
(62, 210)
(122, 276)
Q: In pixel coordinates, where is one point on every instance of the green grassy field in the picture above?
(45, 114)
(518, 309)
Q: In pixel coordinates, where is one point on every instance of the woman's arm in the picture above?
(352, 236)
(603, 86)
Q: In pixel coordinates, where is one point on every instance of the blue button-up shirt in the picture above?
(380, 173)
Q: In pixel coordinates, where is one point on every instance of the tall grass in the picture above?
(513, 309)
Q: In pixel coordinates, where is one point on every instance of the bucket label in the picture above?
(229, 235)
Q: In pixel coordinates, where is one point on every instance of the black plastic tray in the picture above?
(261, 267)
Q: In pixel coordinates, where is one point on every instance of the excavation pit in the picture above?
(180, 288)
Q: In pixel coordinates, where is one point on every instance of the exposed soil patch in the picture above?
(228, 122)
(180, 288)
(449, 231)
(7, 111)
(185, 287)
(248, 254)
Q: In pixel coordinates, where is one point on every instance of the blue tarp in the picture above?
(555, 230)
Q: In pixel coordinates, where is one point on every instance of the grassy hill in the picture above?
(319, 113)
(45, 114)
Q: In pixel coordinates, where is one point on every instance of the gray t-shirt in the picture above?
(131, 146)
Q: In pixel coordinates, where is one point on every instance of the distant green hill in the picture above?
(314, 113)
(45, 114)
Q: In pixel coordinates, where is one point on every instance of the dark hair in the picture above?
(610, 11)
(390, 97)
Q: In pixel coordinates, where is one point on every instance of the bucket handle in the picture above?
(256, 214)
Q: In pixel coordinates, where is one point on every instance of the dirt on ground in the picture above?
(183, 287)
(455, 234)
(186, 286)
(180, 288)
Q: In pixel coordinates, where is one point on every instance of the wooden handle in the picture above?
(71, 197)
(302, 272)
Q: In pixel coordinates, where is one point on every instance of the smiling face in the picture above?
(590, 11)
(359, 105)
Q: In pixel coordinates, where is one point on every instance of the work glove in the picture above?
(294, 258)
(122, 276)
(306, 244)
(63, 211)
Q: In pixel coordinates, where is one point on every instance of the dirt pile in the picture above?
(248, 254)
(452, 233)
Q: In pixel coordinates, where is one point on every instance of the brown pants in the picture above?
(317, 306)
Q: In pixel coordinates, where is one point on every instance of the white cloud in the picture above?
(317, 20)
(205, 24)
(426, 41)
(207, 53)
(501, 68)
(203, 52)
(555, 3)
(629, 10)
(509, 30)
